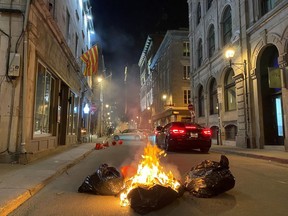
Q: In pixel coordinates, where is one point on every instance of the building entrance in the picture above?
(271, 99)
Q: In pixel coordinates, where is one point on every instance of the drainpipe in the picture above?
(24, 80)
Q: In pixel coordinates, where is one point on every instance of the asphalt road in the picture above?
(261, 187)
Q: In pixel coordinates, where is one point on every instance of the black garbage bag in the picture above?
(144, 200)
(105, 181)
(210, 178)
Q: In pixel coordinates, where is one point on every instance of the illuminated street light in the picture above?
(86, 109)
(99, 79)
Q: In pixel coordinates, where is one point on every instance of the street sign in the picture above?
(191, 107)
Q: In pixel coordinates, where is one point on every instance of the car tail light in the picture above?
(177, 131)
(207, 132)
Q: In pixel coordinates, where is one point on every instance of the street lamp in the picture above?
(229, 55)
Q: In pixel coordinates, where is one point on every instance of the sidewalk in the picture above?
(270, 153)
(17, 184)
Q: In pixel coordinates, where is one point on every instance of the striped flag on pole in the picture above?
(90, 58)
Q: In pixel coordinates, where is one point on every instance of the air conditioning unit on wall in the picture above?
(14, 65)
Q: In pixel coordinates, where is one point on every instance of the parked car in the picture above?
(129, 134)
(183, 135)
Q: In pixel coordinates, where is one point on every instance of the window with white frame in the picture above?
(186, 72)
(186, 49)
(187, 96)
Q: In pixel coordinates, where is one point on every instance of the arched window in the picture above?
(213, 97)
(227, 26)
(230, 93)
(200, 53)
(201, 101)
(211, 41)
(209, 3)
(198, 13)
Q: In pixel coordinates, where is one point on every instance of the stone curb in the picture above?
(262, 157)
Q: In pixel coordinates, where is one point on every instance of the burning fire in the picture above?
(149, 173)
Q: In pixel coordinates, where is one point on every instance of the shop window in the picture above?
(230, 91)
(227, 26)
(230, 132)
(44, 97)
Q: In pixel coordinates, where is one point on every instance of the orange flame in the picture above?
(149, 173)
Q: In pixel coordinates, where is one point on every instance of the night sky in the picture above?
(122, 27)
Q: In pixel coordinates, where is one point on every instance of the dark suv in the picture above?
(184, 135)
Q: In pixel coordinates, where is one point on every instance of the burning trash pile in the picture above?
(149, 187)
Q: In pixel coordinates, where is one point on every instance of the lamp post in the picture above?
(229, 55)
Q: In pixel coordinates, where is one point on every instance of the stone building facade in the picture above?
(168, 80)
(43, 90)
(242, 98)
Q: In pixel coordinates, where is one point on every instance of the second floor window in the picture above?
(186, 49)
(211, 41)
(187, 96)
(198, 13)
(68, 17)
(227, 26)
(200, 53)
(186, 72)
(268, 5)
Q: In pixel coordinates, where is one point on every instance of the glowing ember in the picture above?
(149, 173)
